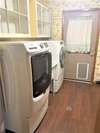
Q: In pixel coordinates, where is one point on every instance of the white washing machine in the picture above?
(26, 71)
(57, 50)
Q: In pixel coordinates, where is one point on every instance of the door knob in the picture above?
(92, 54)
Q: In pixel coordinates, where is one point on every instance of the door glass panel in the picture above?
(43, 18)
(46, 15)
(40, 27)
(0, 21)
(3, 21)
(39, 13)
(13, 22)
(2, 3)
(23, 6)
(78, 38)
(46, 29)
(12, 5)
(23, 24)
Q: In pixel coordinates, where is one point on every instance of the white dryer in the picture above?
(57, 51)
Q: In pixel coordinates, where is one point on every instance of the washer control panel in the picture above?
(36, 46)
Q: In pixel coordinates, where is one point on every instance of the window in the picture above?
(43, 20)
(14, 17)
(79, 35)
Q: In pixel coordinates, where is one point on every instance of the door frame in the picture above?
(95, 11)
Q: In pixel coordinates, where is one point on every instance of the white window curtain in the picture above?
(79, 35)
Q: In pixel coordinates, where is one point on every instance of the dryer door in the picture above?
(41, 73)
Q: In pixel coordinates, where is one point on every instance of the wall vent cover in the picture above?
(82, 71)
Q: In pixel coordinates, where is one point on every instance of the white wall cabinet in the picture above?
(14, 17)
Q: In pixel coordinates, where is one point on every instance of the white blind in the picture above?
(79, 35)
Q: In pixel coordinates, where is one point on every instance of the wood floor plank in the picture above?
(72, 110)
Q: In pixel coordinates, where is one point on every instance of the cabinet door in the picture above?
(14, 17)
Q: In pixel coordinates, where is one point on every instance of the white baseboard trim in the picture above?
(79, 81)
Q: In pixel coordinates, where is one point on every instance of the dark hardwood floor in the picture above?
(72, 110)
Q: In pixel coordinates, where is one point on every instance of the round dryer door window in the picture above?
(61, 57)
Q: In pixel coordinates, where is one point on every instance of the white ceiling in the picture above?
(75, 4)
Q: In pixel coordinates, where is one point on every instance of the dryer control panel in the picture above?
(36, 46)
